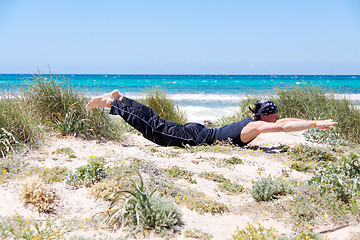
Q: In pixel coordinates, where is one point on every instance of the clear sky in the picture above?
(180, 36)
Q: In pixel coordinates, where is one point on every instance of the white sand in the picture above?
(77, 204)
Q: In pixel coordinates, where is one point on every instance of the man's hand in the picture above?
(325, 124)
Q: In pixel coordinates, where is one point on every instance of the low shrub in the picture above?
(328, 137)
(304, 157)
(252, 232)
(233, 161)
(192, 199)
(268, 188)
(230, 187)
(305, 236)
(202, 205)
(18, 227)
(213, 177)
(55, 174)
(104, 188)
(36, 193)
(86, 175)
(177, 173)
(66, 150)
(308, 209)
(197, 234)
(11, 167)
(143, 209)
(224, 184)
(341, 178)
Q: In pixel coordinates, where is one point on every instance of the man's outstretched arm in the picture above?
(253, 129)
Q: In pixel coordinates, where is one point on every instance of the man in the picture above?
(167, 133)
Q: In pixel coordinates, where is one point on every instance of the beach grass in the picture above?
(157, 99)
(62, 106)
(46, 106)
(19, 125)
(316, 102)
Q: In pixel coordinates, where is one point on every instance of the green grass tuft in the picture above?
(62, 106)
(164, 106)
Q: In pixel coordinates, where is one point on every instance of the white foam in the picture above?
(199, 114)
(206, 97)
(352, 97)
(196, 97)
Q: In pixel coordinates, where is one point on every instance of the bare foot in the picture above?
(117, 95)
(100, 101)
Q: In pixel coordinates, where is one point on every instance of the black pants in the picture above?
(155, 128)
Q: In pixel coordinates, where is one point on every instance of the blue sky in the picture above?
(180, 36)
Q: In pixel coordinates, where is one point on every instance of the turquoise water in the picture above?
(219, 84)
(202, 96)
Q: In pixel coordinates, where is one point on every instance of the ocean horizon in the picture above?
(202, 96)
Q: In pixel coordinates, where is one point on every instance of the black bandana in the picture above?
(266, 107)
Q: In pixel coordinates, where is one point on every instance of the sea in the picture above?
(202, 97)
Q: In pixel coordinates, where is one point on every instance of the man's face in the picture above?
(270, 117)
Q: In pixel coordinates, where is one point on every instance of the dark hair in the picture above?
(256, 108)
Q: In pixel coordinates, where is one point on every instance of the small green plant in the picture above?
(206, 206)
(10, 167)
(329, 136)
(197, 234)
(268, 188)
(230, 188)
(55, 174)
(305, 157)
(36, 193)
(66, 150)
(104, 188)
(17, 227)
(177, 173)
(308, 209)
(341, 178)
(224, 162)
(192, 199)
(213, 177)
(97, 159)
(225, 184)
(305, 236)
(233, 161)
(87, 175)
(252, 232)
(143, 209)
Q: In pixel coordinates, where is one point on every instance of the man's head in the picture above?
(265, 110)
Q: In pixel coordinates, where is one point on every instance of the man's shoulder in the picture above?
(256, 123)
